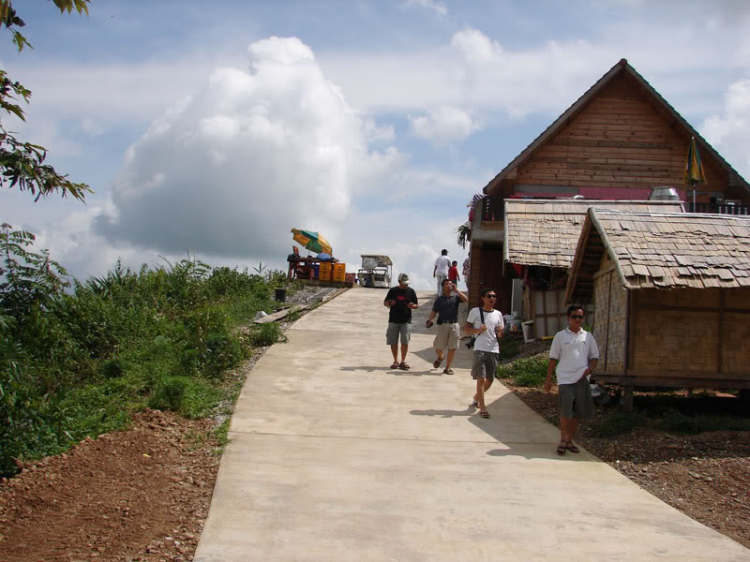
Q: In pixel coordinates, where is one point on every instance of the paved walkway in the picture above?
(335, 457)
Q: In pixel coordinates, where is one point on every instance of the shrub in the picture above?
(530, 371)
(266, 334)
(509, 348)
(113, 368)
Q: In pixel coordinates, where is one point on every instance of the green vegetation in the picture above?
(509, 348)
(530, 371)
(78, 360)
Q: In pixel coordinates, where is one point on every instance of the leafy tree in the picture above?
(22, 163)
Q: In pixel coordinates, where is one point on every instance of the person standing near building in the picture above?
(442, 265)
(573, 357)
(401, 300)
(487, 325)
(466, 270)
(448, 331)
(453, 274)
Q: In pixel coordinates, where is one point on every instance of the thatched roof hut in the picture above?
(671, 296)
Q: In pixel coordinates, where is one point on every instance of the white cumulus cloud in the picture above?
(444, 125)
(729, 131)
(230, 170)
(438, 7)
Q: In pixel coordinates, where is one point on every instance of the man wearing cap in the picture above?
(448, 330)
(442, 265)
(401, 300)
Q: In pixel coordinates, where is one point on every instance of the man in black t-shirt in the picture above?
(401, 300)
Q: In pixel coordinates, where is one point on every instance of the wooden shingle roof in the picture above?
(545, 231)
(669, 251)
(621, 68)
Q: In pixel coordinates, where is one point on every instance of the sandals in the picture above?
(395, 365)
(448, 371)
(437, 362)
(484, 415)
(475, 403)
(404, 366)
(572, 448)
(562, 448)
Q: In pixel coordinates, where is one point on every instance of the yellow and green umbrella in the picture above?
(312, 241)
(694, 173)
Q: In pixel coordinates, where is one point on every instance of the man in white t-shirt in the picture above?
(573, 356)
(487, 325)
(442, 265)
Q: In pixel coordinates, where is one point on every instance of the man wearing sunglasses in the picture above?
(487, 324)
(573, 356)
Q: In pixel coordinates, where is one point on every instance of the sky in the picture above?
(210, 130)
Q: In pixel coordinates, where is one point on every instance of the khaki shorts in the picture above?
(447, 336)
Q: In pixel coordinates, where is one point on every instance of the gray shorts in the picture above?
(485, 365)
(447, 336)
(393, 332)
(575, 400)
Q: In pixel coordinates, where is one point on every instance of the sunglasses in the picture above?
(577, 317)
(491, 296)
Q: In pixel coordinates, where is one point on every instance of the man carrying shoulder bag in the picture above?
(487, 325)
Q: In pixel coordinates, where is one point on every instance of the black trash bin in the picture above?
(280, 295)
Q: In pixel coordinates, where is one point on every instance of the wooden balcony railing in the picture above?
(716, 208)
(492, 208)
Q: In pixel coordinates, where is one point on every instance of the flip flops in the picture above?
(404, 366)
(572, 448)
(484, 415)
(395, 365)
(561, 448)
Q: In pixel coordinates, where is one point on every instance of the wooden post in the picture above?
(720, 351)
(609, 320)
(627, 399)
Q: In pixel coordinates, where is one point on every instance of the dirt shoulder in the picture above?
(141, 494)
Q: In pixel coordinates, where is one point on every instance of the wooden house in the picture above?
(618, 141)
(671, 297)
(540, 243)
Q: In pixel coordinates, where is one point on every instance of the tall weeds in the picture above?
(77, 363)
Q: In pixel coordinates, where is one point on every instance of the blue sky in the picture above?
(215, 128)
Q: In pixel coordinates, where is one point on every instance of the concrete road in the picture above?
(336, 457)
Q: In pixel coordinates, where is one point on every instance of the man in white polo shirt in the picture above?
(573, 356)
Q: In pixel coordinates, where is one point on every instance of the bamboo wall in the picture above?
(621, 141)
(693, 332)
(610, 320)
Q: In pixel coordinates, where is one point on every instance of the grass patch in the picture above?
(222, 434)
(266, 334)
(530, 371)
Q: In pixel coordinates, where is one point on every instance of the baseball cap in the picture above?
(403, 278)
